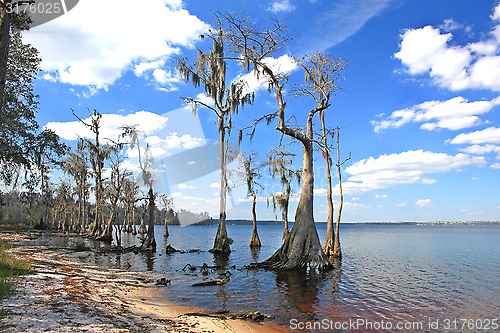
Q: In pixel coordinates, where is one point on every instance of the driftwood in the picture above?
(205, 268)
(211, 282)
(170, 249)
(250, 315)
(163, 281)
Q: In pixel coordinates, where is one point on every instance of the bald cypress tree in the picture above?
(209, 71)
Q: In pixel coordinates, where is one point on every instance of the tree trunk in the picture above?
(4, 48)
(302, 249)
(165, 230)
(150, 242)
(284, 213)
(222, 243)
(330, 234)
(107, 233)
(132, 219)
(337, 252)
(255, 240)
(142, 227)
(84, 217)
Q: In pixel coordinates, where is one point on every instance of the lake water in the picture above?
(389, 272)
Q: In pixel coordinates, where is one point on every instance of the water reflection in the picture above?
(149, 260)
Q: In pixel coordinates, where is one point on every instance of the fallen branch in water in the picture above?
(250, 315)
(211, 282)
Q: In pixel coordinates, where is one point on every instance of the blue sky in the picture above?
(419, 106)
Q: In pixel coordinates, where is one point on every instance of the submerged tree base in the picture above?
(222, 243)
(301, 250)
(255, 241)
(280, 261)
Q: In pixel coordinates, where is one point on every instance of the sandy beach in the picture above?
(65, 295)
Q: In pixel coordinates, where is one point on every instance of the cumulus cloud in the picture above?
(320, 192)
(281, 6)
(481, 142)
(490, 135)
(98, 41)
(482, 149)
(147, 122)
(423, 203)
(408, 167)
(281, 65)
(454, 114)
(428, 51)
(184, 186)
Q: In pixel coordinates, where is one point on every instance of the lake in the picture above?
(389, 272)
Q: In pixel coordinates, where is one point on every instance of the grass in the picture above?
(10, 267)
(14, 227)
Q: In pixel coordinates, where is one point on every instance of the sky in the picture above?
(419, 104)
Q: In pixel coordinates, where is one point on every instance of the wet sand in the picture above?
(65, 295)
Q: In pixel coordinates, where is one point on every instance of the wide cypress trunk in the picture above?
(302, 249)
(107, 233)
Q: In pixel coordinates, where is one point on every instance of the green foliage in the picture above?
(22, 147)
(10, 267)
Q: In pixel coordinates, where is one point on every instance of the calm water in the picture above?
(389, 272)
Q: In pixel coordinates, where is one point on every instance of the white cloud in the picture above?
(428, 181)
(250, 199)
(197, 204)
(408, 167)
(490, 135)
(97, 41)
(472, 66)
(381, 196)
(482, 149)
(486, 141)
(423, 203)
(281, 65)
(142, 67)
(281, 6)
(450, 25)
(320, 192)
(165, 77)
(495, 166)
(341, 21)
(454, 114)
(214, 185)
(184, 186)
(147, 122)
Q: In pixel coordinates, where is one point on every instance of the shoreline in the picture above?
(65, 295)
